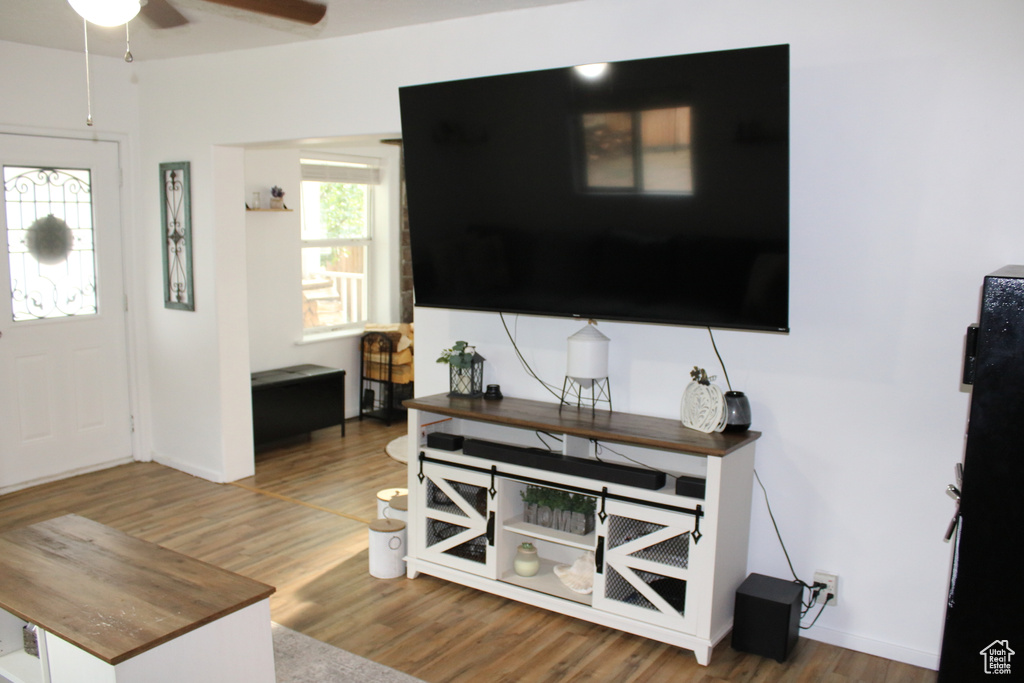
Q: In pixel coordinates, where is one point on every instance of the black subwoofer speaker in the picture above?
(766, 620)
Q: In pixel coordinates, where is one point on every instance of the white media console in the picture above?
(667, 565)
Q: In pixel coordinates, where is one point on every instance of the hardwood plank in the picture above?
(603, 425)
(109, 593)
(309, 539)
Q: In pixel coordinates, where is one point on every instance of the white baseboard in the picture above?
(64, 475)
(899, 653)
(188, 468)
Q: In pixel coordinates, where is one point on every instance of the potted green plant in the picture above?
(276, 197)
(531, 496)
(558, 509)
(466, 370)
(582, 520)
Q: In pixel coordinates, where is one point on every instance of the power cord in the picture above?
(720, 361)
(598, 447)
(540, 437)
(814, 589)
(522, 360)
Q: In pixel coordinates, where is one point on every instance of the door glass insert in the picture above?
(50, 242)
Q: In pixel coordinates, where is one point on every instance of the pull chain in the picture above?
(88, 84)
(128, 45)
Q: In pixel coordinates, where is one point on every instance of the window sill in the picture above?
(317, 337)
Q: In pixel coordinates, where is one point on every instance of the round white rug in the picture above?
(398, 449)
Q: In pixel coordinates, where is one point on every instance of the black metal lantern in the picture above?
(467, 382)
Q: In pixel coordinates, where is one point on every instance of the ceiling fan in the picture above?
(162, 14)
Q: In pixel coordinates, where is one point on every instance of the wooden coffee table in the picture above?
(112, 607)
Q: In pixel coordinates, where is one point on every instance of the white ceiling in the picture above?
(214, 28)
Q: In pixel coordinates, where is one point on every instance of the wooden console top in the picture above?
(603, 425)
(111, 594)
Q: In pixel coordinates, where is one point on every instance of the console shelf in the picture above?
(668, 565)
(640, 430)
(546, 582)
(516, 525)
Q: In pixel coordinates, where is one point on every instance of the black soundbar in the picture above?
(565, 464)
(503, 452)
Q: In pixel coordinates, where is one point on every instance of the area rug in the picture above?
(398, 449)
(301, 659)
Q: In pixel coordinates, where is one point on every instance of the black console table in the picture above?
(296, 400)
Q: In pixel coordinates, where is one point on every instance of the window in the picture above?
(50, 242)
(639, 151)
(337, 205)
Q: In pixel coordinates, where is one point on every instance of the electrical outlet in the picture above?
(831, 582)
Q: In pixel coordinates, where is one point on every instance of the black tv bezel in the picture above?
(681, 320)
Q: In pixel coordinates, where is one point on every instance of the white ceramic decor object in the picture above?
(587, 357)
(579, 576)
(703, 408)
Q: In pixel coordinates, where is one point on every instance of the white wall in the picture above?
(275, 312)
(906, 166)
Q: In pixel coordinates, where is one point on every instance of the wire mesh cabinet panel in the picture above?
(458, 513)
(645, 571)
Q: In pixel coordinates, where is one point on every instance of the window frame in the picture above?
(371, 242)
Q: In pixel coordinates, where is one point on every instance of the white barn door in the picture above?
(64, 400)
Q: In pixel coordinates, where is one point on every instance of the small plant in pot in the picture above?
(466, 370)
(583, 508)
(276, 197)
(557, 509)
(531, 501)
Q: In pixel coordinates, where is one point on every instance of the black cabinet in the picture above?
(296, 400)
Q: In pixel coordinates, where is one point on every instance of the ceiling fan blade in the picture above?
(302, 11)
(161, 14)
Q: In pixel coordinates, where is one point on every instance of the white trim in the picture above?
(216, 476)
(4, 490)
(331, 335)
(341, 168)
(879, 648)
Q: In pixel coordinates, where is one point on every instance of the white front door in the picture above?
(64, 400)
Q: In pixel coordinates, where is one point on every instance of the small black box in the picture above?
(766, 620)
(690, 486)
(444, 442)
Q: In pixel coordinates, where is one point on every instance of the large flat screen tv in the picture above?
(653, 190)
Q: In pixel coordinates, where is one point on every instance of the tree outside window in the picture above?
(337, 239)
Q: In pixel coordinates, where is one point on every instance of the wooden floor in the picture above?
(300, 525)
